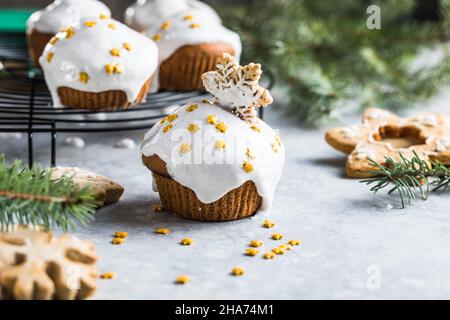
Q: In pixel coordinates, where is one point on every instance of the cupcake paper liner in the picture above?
(237, 204)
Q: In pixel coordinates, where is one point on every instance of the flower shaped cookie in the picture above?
(383, 134)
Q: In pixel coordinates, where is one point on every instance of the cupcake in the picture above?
(44, 24)
(151, 13)
(100, 64)
(190, 44)
(216, 160)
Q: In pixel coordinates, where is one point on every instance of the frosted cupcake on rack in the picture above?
(190, 44)
(216, 160)
(100, 64)
(44, 24)
(145, 14)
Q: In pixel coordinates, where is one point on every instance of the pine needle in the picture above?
(30, 196)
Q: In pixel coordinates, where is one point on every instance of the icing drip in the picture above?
(224, 152)
(63, 13)
(146, 14)
(98, 55)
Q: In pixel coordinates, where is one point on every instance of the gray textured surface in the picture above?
(349, 237)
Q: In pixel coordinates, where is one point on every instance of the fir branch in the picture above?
(30, 196)
(323, 55)
(408, 177)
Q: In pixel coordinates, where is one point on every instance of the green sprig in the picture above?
(408, 178)
(30, 196)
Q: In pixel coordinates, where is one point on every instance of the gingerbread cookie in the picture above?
(34, 265)
(106, 191)
(383, 134)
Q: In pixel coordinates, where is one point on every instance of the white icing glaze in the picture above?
(146, 14)
(429, 120)
(350, 132)
(63, 13)
(212, 172)
(89, 51)
(442, 144)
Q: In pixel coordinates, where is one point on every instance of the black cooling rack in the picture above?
(26, 106)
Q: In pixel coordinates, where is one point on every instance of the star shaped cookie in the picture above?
(382, 134)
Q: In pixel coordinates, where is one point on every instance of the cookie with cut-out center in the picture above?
(383, 134)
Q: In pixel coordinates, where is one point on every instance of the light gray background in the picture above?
(350, 238)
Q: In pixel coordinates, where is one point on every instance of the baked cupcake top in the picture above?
(191, 27)
(62, 13)
(213, 147)
(99, 54)
(151, 13)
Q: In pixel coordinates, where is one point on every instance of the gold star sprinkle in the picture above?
(286, 247)
(222, 127)
(157, 207)
(250, 154)
(83, 77)
(172, 117)
(121, 234)
(247, 166)
(277, 236)
(90, 24)
(167, 128)
(54, 40)
(115, 68)
(194, 26)
(192, 107)
(117, 241)
(268, 224)
(188, 17)
(206, 101)
(112, 26)
(115, 52)
(108, 275)
(127, 46)
(185, 148)
(269, 255)
(156, 37)
(118, 68)
(278, 251)
(220, 144)
(237, 271)
(295, 242)
(103, 16)
(166, 25)
(163, 120)
(162, 231)
(50, 56)
(186, 241)
(251, 252)
(70, 32)
(182, 279)
(212, 119)
(193, 127)
(257, 129)
(256, 243)
(275, 147)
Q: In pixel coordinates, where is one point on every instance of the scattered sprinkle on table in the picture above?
(295, 242)
(268, 224)
(279, 251)
(182, 279)
(117, 241)
(237, 271)
(256, 243)
(251, 252)
(277, 236)
(157, 207)
(108, 275)
(121, 234)
(162, 231)
(186, 241)
(269, 255)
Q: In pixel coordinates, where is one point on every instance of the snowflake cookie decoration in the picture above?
(383, 134)
(34, 265)
(237, 87)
